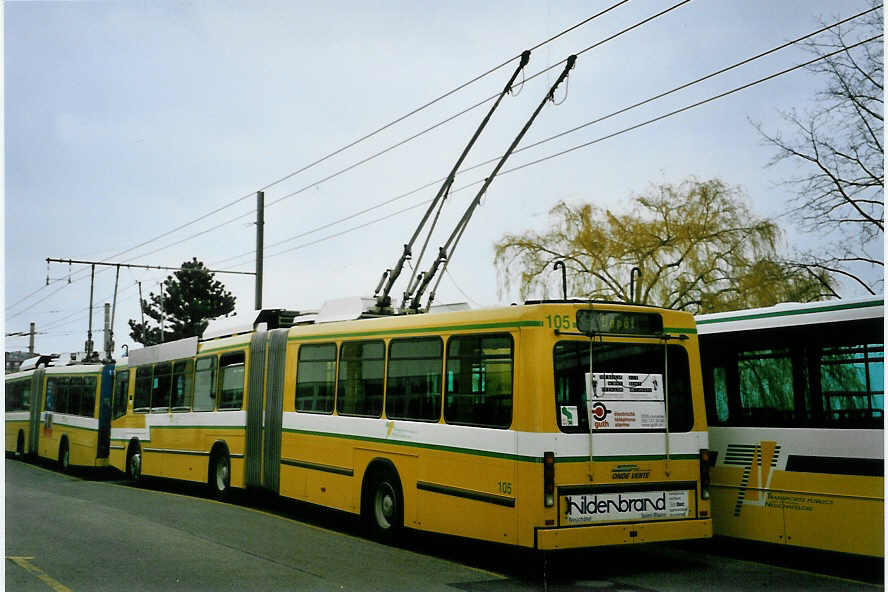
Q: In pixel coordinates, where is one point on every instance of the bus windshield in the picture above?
(617, 361)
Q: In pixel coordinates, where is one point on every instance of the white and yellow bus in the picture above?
(60, 413)
(551, 425)
(795, 396)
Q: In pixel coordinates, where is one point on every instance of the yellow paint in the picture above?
(843, 513)
(25, 562)
(490, 477)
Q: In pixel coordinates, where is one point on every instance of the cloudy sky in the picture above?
(125, 121)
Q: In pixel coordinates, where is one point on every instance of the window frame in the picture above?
(222, 374)
(211, 383)
(388, 378)
(330, 397)
(115, 405)
(343, 365)
(447, 379)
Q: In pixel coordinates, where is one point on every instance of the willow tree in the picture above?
(697, 245)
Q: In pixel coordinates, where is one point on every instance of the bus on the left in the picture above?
(60, 413)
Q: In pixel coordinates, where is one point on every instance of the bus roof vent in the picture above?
(345, 309)
(37, 361)
(452, 307)
(163, 352)
(248, 321)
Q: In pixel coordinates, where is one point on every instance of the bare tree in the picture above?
(839, 147)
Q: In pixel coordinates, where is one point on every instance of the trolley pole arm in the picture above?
(383, 300)
(447, 250)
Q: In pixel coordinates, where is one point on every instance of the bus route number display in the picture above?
(619, 322)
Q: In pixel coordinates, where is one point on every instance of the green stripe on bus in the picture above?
(414, 330)
(785, 313)
(643, 457)
(681, 330)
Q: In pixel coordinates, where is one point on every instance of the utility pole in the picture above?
(260, 230)
(162, 312)
(32, 332)
(109, 343)
(141, 307)
(89, 333)
(92, 264)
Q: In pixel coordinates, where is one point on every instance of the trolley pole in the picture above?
(260, 230)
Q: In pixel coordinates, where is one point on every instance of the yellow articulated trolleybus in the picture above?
(59, 413)
(795, 396)
(549, 425)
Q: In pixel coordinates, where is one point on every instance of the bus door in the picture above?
(36, 408)
(258, 346)
(105, 390)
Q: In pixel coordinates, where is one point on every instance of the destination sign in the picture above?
(619, 322)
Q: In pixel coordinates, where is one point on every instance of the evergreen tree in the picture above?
(188, 300)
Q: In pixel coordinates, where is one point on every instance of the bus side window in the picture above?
(479, 381)
(121, 392)
(852, 380)
(183, 385)
(205, 384)
(231, 381)
(88, 397)
(63, 396)
(361, 371)
(160, 388)
(142, 394)
(18, 395)
(52, 388)
(413, 385)
(719, 379)
(766, 387)
(316, 378)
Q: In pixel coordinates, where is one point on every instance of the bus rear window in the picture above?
(572, 363)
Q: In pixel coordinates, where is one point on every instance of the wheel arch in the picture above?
(375, 466)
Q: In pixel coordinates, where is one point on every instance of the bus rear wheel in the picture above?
(134, 465)
(64, 456)
(220, 475)
(383, 507)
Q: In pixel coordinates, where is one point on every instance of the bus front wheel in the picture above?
(383, 507)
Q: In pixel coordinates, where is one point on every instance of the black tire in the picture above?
(383, 506)
(64, 463)
(20, 445)
(134, 464)
(219, 478)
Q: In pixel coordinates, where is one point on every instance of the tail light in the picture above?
(549, 479)
(707, 460)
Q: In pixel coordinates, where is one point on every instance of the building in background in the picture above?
(14, 360)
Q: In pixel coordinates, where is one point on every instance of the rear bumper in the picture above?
(621, 534)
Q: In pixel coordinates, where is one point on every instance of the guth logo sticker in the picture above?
(599, 414)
